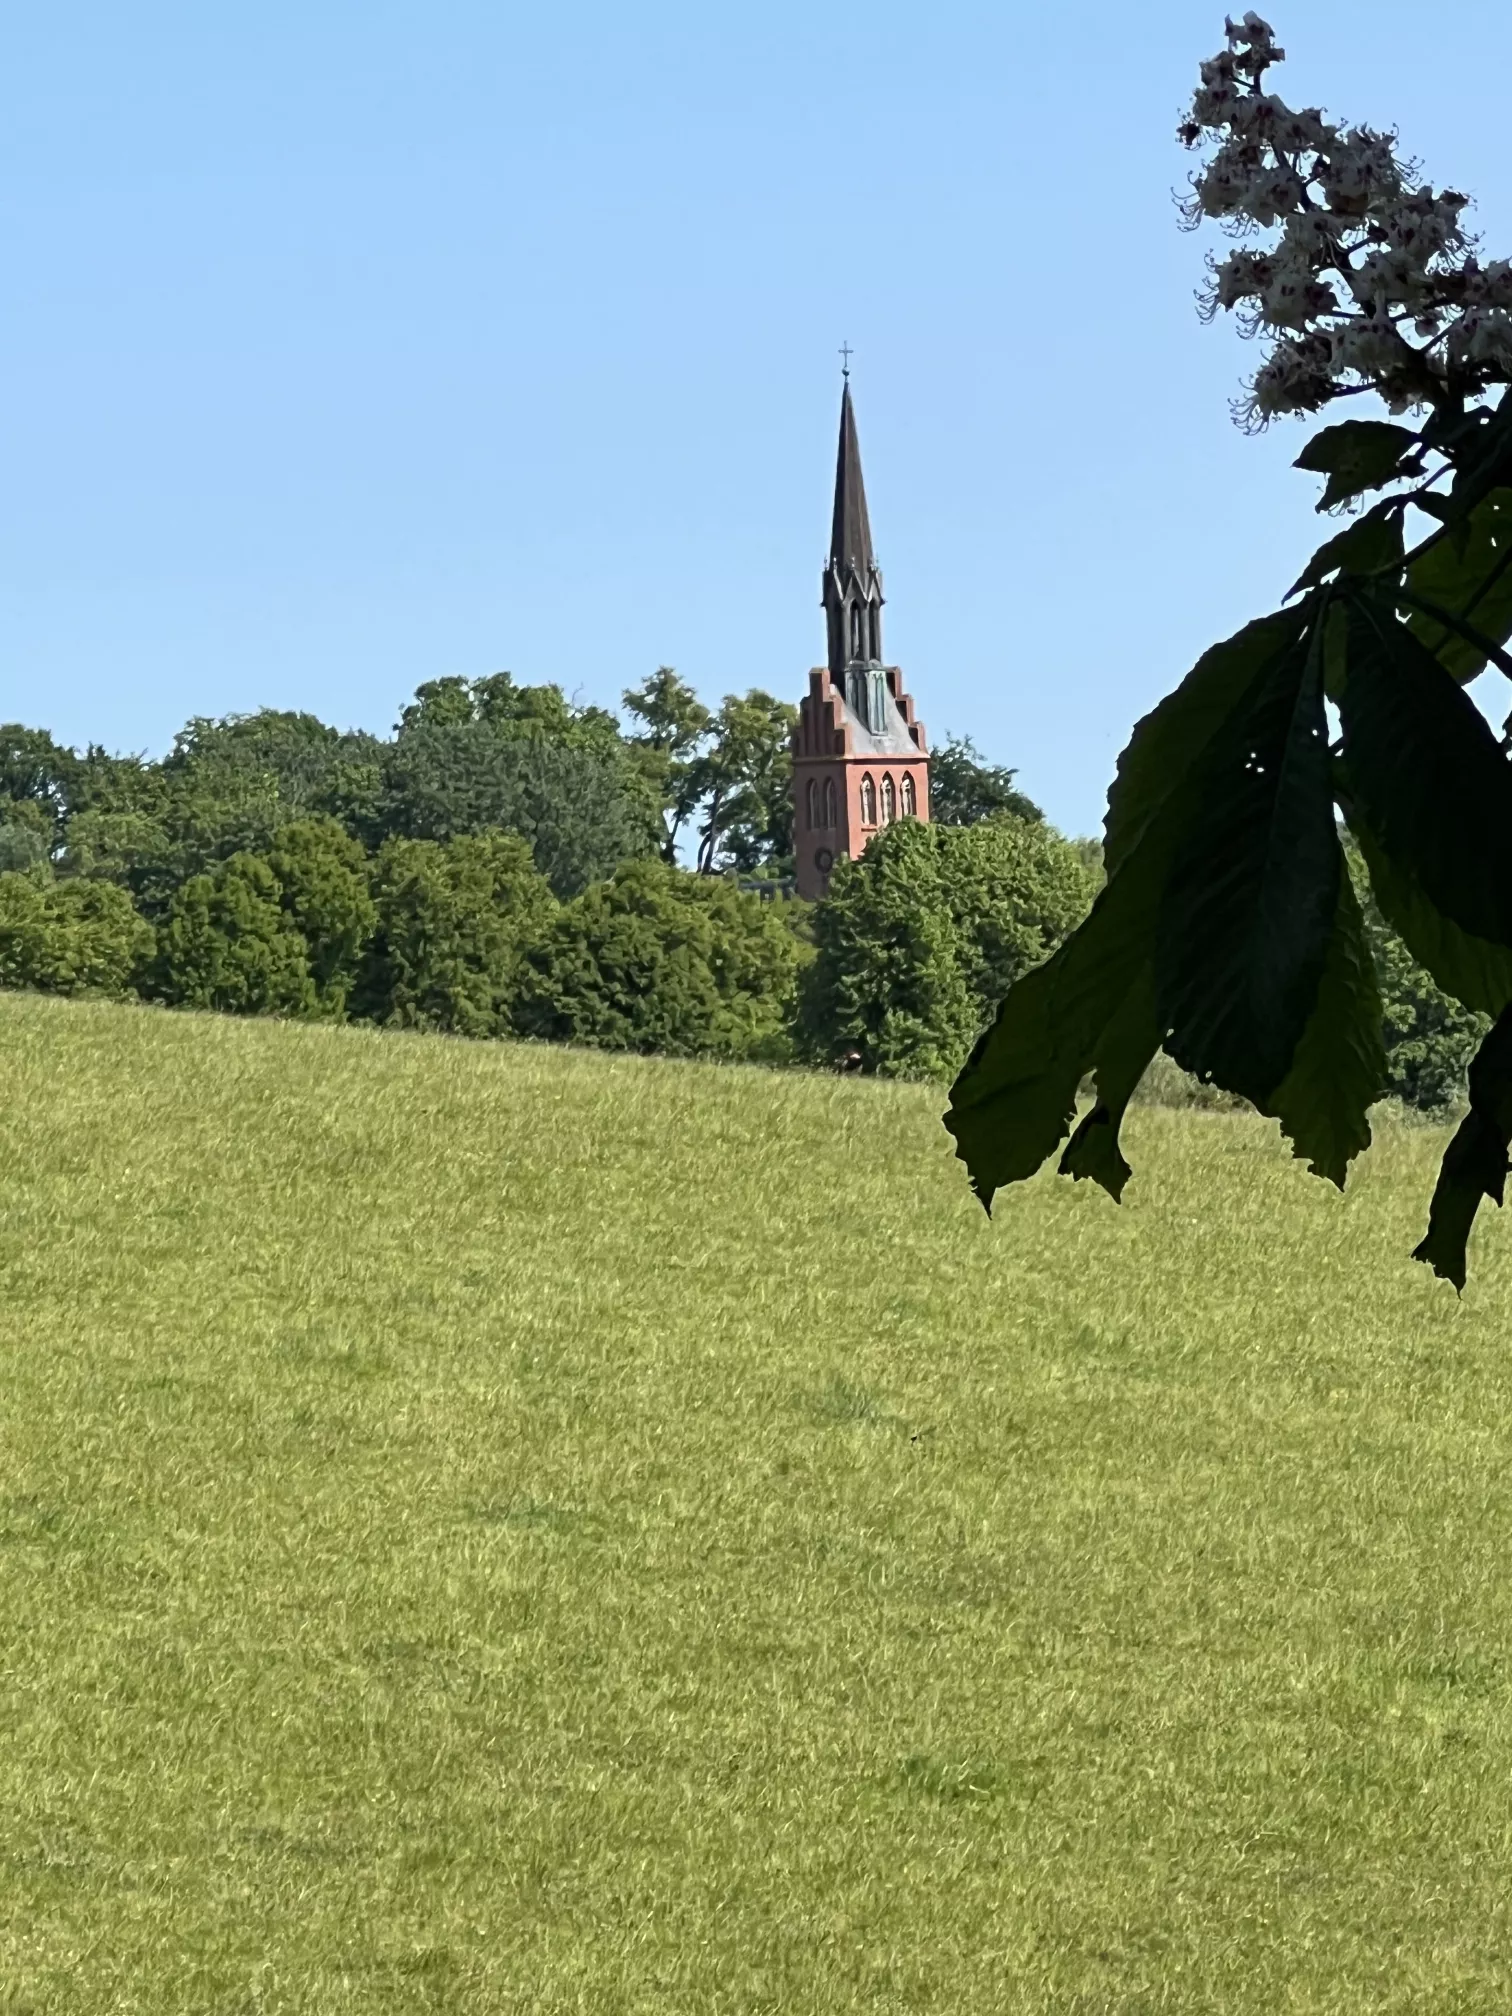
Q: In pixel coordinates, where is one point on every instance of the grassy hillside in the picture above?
(500, 1529)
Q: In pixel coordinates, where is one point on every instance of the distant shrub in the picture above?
(657, 959)
(451, 922)
(322, 875)
(69, 937)
(920, 938)
(228, 943)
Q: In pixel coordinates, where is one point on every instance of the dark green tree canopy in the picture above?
(468, 757)
(490, 755)
(963, 788)
(581, 806)
(226, 787)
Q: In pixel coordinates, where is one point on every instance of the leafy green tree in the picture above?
(118, 827)
(1430, 1039)
(887, 984)
(923, 934)
(1228, 930)
(1016, 890)
(70, 937)
(581, 808)
(34, 769)
(229, 943)
(963, 788)
(469, 757)
(322, 876)
(26, 838)
(500, 703)
(440, 703)
(544, 710)
(151, 826)
(743, 783)
(658, 960)
(473, 756)
(227, 787)
(307, 768)
(674, 727)
(451, 923)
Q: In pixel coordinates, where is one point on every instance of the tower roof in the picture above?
(850, 534)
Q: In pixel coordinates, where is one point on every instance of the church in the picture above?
(860, 759)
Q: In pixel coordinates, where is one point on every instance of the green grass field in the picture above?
(504, 1529)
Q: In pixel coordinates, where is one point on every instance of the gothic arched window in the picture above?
(876, 631)
(868, 802)
(855, 629)
(829, 804)
(889, 801)
(813, 803)
(910, 798)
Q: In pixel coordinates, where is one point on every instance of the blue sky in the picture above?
(347, 346)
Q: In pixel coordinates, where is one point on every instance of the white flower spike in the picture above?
(1371, 285)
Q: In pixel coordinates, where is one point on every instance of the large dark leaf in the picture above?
(1372, 543)
(1479, 444)
(1168, 741)
(1015, 1096)
(1428, 787)
(1250, 905)
(1473, 970)
(1013, 1102)
(1123, 1055)
(1475, 1162)
(1356, 455)
(1467, 572)
(1339, 1069)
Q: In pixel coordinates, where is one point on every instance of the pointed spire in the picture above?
(850, 535)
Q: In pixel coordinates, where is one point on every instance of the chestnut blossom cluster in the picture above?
(1370, 282)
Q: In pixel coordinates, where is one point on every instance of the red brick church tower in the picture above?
(860, 759)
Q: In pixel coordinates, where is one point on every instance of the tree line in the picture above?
(508, 863)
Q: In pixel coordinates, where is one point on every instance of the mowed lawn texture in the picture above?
(492, 1528)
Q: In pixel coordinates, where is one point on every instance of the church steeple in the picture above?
(850, 532)
(852, 590)
(860, 757)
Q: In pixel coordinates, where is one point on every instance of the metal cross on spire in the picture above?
(846, 354)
